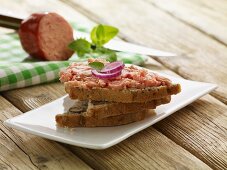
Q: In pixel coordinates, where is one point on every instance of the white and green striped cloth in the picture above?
(18, 70)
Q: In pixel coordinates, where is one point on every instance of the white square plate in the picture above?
(41, 121)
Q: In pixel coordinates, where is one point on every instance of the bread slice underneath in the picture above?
(79, 120)
(123, 96)
(102, 110)
(93, 114)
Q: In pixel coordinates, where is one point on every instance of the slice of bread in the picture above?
(123, 96)
(93, 114)
(79, 120)
(101, 110)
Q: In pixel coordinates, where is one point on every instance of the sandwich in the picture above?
(111, 96)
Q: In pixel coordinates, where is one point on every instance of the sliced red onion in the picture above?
(105, 75)
(113, 67)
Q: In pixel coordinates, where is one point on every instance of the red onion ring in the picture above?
(113, 67)
(105, 75)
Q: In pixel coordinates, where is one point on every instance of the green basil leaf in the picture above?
(93, 35)
(97, 65)
(112, 56)
(81, 46)
(106, 53)
(101, 34)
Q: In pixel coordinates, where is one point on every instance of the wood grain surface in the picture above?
(23, 151)
(198, 54)
(200, 128)
(209, 17)
(192, 138)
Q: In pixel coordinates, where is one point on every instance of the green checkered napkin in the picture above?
(18, 70)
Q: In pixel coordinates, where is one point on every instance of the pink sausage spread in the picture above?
(131, 77)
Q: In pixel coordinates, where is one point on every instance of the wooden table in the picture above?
(193, 138)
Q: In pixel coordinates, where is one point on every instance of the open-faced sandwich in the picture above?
(114, 95)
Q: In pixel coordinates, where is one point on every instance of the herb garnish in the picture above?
(97, 65)
(100, 35)
(81, 46)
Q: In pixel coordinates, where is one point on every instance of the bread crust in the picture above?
(107, 109)
(123, 96)
(79, 120)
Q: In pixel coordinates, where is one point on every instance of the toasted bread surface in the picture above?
(95, 114)
(79, 120)
(123, 96)
(101, 110)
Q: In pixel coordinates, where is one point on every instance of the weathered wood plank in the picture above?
(23, 8)
(11, 156)
(23, 151)
(200, 57)
(201, 128)
(145, 150)
(141, 151)
(207, 16)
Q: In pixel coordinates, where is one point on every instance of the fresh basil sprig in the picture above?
(106, 53)
(81, 46)
(100, 35)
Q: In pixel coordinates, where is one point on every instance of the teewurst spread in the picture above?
(131, 77)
